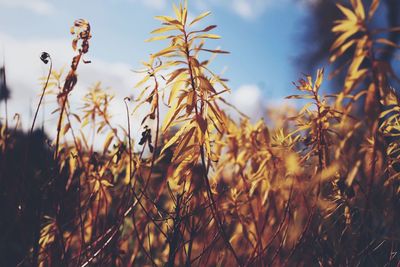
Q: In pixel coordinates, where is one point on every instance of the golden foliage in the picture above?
(320, 189)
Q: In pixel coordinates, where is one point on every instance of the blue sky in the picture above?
(262, 36)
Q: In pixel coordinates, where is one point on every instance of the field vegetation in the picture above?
(198, 188)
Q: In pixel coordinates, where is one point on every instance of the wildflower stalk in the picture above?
(82, 31)
(214, 208)
(45, 57)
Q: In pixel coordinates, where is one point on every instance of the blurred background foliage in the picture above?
(313, 186)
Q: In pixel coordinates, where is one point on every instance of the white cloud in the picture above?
(24, 68)
(41, 7)
(246, 9)
(249, 100)
(250, 9)
(201, 5)
(154, 4)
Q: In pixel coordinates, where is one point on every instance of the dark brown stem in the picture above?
(205, 176)
(41, 96)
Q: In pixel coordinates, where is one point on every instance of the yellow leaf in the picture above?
(242, 159)
(107, 142)
(292, 163)
(74, 44)
(387, 42)
(200, 17)
(353, 173)
(143, 81)
(175, 74)
(358, 8)
(329, 173)
(341, 50)
(347, 12)
(66, 128)
(157, 38)
(344, 25)
(178, 12)
(184, 141)
(206, 85)
(183, 171)
(127, 178)
(164, 29)
(167, 19)
(371, 104)
(215, 51)
(106, 183)
(191, 101)
(165, 51)
(208, 36)
(172, 113)
(343, 37)
(176, 87)
(184, 13)
(96, 186)
(318, 81)
(373, 8)
(206, 29)
(177, 136)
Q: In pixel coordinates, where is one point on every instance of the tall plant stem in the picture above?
(214, 208)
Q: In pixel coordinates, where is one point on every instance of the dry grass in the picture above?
(321, 190)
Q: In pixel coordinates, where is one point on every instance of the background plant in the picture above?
(200, 188)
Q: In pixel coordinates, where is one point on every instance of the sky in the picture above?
(262, 36)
